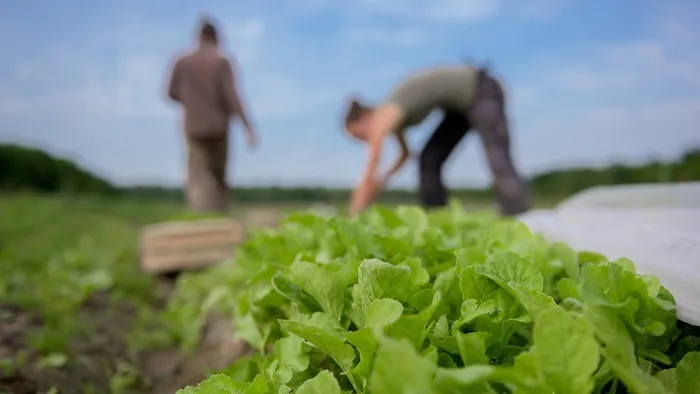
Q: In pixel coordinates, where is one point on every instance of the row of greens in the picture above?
(409, 301)
(57, 252)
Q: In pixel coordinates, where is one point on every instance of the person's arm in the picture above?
(232, 96)
(174, 84)
(385, 120)
(401, 160)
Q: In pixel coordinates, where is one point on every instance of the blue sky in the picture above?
(589, 81)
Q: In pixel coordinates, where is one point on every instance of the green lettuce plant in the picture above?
(409, 301)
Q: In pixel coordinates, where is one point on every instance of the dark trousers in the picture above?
(488, 118)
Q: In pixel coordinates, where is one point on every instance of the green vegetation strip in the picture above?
(56, 252)
(404, 301)
(26, 168)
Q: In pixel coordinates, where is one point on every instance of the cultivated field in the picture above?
(74, 306)
(76, 312)
(78, 316)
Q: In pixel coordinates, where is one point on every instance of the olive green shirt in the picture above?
(451, 88)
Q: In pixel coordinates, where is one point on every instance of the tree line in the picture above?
(24, 168)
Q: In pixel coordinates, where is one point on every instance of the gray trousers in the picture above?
(488, 118)
(207, 159)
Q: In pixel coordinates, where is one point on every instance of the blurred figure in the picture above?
(204, 83)
(470, 99)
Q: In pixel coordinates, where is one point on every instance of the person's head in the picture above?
(357, 119)
(208, 33)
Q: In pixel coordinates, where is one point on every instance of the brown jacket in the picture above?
(203, 82)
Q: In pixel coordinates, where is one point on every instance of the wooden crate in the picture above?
(178, 246)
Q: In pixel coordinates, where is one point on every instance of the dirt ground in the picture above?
(101, 362)
(87, 367)
(48, 242)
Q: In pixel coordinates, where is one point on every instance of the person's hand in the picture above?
(376, 187)
(251, 139)
(364, 194)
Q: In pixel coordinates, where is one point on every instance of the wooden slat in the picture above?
(190, 227)
(186, 250)
(184, 261)
(175, 246)
(183, 239)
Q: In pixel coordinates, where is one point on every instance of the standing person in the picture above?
(205, 84)
(470, 99)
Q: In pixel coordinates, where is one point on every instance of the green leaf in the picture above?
(532, 300)
(619, 350)
(472, 309)
(336, 348)
(323, 383)
(291, 358)
(569, 259)
(566, 350)
(378, 279)
(294, 293)
(506, 267)
(472, 347)
(322, 283)
(467, 380)
(53, 360)
(247, 329)
(567, 288)
(398, 368)
(614, 286)
(447, 283)
(416, 219)
(217, 384)
(442, 337)
(359, 240)
(475, 286)
(470, 256)
(415, 327)
(684, 377)
(382, 312)
(366, 343)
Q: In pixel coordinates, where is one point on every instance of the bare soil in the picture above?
(100, 361)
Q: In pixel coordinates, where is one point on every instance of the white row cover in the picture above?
(657, 226)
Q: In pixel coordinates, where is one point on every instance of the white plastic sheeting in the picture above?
(661, 195)
(657, 226)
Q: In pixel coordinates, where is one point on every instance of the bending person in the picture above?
(204, 83)
(470, 99)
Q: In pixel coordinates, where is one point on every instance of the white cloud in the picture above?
(417, 22)
(539, 9)
(524, 96)
(133, 86)
(679, 21)
(248, 29)
(462, 11)
(278, 96)
(435, 11)
(10, 106)
(244, 38)
(118, 92)
(589, 80)
(396, 37)
(628, 101)
(602, 134)
(642, 65)
(441, 11)
(668, 59)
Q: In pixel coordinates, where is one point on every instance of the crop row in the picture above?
(409, 301)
